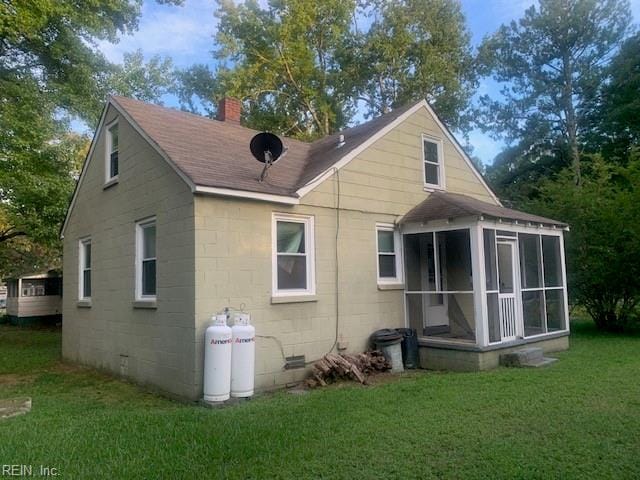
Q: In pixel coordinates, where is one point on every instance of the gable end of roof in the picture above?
(111, 101)
(383, 130)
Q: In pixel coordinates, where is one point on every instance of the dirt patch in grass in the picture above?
(379, 378)
(388, 377)
(65, 367)
(13, 379)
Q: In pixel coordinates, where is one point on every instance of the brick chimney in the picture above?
(229, 110)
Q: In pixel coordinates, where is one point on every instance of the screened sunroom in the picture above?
(479, 276)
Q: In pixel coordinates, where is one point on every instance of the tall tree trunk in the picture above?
(570, 117)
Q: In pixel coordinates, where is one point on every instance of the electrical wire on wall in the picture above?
(278, 342)
(337, 274)
(337, 260)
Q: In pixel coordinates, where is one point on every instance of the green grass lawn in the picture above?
(579, 418)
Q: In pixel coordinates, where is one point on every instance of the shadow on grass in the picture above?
(583, 326)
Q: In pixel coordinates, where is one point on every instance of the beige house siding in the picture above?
(233, 268)
(234, 252)
(149, 346)
(41, 305)
(388, 175)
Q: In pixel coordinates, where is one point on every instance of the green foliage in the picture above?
(551, 62)
(50, 71)
(517, 171)
(414, 49)
(285, 63)
(50, 42)
(303, 66)
(615, 121)
(36, 163)
(147, 81)
(603, 264)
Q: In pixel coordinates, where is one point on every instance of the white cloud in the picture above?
(184, 33)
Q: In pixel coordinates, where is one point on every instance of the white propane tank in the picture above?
(217, 360)
(243, 356)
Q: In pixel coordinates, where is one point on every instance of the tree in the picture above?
(146, 81)
(303, 67)
(414, 49)
(614, 123)
(551, 62)
(285, 63)
(517, 171)
(50, 71)
(603, 265)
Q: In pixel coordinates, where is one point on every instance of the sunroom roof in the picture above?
(446, 205)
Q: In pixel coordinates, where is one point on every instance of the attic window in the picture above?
(111, 160)
(433, 162)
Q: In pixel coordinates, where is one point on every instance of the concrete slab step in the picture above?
(540, 363)
(530, 355)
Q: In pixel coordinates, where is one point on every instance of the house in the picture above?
(386, 224)
(35, 298)
(3, 296)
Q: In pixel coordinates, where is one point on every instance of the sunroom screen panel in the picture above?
(533, 312)
(552, 261)
(530, 260)
(454, 255)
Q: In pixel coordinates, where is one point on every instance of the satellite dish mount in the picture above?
(267, 148)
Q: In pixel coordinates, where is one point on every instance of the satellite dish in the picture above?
(266, 148)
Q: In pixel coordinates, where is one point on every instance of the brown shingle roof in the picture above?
(216, 154)
(445, 205)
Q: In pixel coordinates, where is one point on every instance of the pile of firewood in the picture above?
(357, 367)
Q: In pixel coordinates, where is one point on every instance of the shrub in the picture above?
(603, 245)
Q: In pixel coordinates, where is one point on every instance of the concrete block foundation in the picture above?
(464, 358)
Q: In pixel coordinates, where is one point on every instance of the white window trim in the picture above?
(397, 251)
(441, 173)
(108, 179)
(140, 226)
(81, 253)
(309, 238)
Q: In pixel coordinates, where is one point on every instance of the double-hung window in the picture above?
(112, 166)
(293, 255)
(389, 258)
(146, 260)
(84, 292)
(432, 162)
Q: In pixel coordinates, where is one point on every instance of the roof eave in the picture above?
(259, 196)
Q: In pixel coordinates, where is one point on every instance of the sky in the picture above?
(185, 34)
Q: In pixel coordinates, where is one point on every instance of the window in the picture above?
(389, 258)
(85, 269)
(33, 288)
(146, 260)
(433, 164)
(112, 167)
(293, 255)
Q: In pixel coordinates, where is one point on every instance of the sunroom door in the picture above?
(509, 307)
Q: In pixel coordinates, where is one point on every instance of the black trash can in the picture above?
(409, 347)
